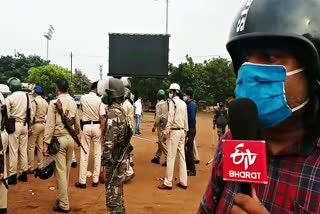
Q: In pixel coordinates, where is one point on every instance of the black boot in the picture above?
(155, 160)
(164, 164)
(23, 177)
(12, 180)
(3, 210)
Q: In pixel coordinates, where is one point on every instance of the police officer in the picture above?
(55, 127)
(116, 132)
(176, 129)
(17, 104)
(39, 108)
(3, 170)
(160, 123)
(220, 120)
(93, 126)
(129, 110)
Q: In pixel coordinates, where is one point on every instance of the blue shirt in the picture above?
(192, 110)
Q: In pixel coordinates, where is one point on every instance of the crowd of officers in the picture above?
(31, 123)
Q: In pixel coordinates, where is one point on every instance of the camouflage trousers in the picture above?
(114, 194)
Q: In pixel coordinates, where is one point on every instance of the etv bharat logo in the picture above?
(239, 157)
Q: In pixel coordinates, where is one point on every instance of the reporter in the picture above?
(276, 56)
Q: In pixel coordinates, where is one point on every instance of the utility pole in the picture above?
(167, 14)
(100, 72)
(71, 64)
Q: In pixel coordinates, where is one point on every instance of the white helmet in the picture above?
(103, 85)
(174, 86)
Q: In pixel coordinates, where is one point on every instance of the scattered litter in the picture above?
(52, 188)
(89, 174)
(30, 190)
(32, 193)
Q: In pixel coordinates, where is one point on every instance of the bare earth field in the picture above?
(141, 195)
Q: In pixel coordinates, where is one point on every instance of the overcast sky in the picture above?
(199, 28)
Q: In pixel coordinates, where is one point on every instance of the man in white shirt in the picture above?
(138, 113)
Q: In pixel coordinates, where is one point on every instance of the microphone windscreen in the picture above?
(243, 119)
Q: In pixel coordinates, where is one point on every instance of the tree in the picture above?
(212, 80)
(146, 88)
(18, 66)
(81, 82)
(46, 76)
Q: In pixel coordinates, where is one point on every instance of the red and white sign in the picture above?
(244, 161)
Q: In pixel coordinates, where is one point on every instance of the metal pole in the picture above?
(167, 11)
(71, 65)
(47, 49)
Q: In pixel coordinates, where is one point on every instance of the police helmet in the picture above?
(46, 169)
(116, 88)
(161, 95)
(14, 84)
(278, 23)
(174, 86)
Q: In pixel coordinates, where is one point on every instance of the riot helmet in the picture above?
(161, 95)
(278, 23)
(14, 84)
(46, 168)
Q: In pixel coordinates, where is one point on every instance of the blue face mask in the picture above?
(264, 85)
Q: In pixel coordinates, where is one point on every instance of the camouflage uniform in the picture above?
(116, 131)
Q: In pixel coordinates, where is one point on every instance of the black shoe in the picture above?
(81, 186)
(164, 164)
(139, 133)
(30, 171)
(131, 164)
(155, 160)
(57, 208)
(95, 184)
(12, 180)
(74, 164)
(23, 177)
(3, 210)
(196, 162)
(191, 173)
(182, 186)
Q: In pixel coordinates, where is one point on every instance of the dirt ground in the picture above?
(141, 195)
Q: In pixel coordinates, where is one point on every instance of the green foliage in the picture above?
(46, 76)
(18, 66)
(212, 80)
(82, 84)
(146, 88)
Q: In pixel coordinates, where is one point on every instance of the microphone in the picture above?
(243, 123)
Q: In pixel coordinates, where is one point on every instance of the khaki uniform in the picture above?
(3, 148)
(55, 127)
(176, 130)
(195, 151)
(16, 107)
(39, 109)
(129, 110)
(116, 132)
(160, 123)
(92, 109)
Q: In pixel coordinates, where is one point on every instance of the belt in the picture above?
(41, 121)
(177, 128)
(90, 122)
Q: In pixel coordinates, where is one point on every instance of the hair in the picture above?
(62, 85)
(94, 85)
(189, 93)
